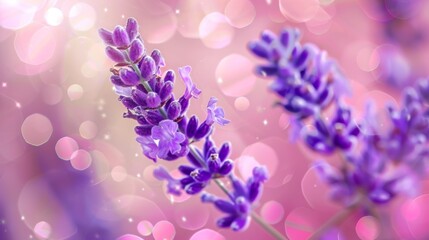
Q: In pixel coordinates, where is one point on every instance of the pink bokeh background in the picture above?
(70, 167)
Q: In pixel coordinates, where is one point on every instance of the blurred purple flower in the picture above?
(341, 133)
(239, 206)
(304, 78)
(191, 89)
(215, 114)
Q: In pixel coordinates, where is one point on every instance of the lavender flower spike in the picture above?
(164, 129)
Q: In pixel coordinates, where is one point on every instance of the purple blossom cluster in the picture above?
(305, 79)
(377, 165)
(166, 131)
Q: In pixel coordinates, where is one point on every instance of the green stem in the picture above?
(271, 230)
(334, 221)
(144, 82)
(268, 227)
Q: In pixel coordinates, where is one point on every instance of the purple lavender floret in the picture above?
(304, 78)
(342, 132)
(239, 205)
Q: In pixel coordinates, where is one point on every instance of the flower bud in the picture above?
(153, 100)
(192, 127)
(173, 110)
(136, 50)
(144, 130)
(147, 67)
(139, 97)
(115, 54)
(128, 103)
(166, 91)
(120, 37)
(169, 76)
(157, 57)
(132, 28)
(224, 151)
(128, 77)
(106, 36)
(202, 131)
(226, 167)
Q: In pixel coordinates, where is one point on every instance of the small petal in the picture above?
(150, 149)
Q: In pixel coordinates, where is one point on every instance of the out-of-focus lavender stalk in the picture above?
(386, 163)
(167, 132)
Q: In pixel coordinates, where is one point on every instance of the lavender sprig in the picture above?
(386, 164)
(166, 131)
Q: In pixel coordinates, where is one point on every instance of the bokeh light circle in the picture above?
(145, 228)
(416, 214)
(65, 147)
(35, 45)
(215, 30)
(119, 173)
(82, 16)
(187, 219)
(54, 16)
(36, 129)
(254, 155)
(80, 159)
(129, 237)
(163, 230)
(299, 10)
(52, 94)
(205, 234)
(241, 103)
(272, 212)
(236, 81)
(240, 13)
(367, 228)
(75, 92)
(43, 230)
(88, 129)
